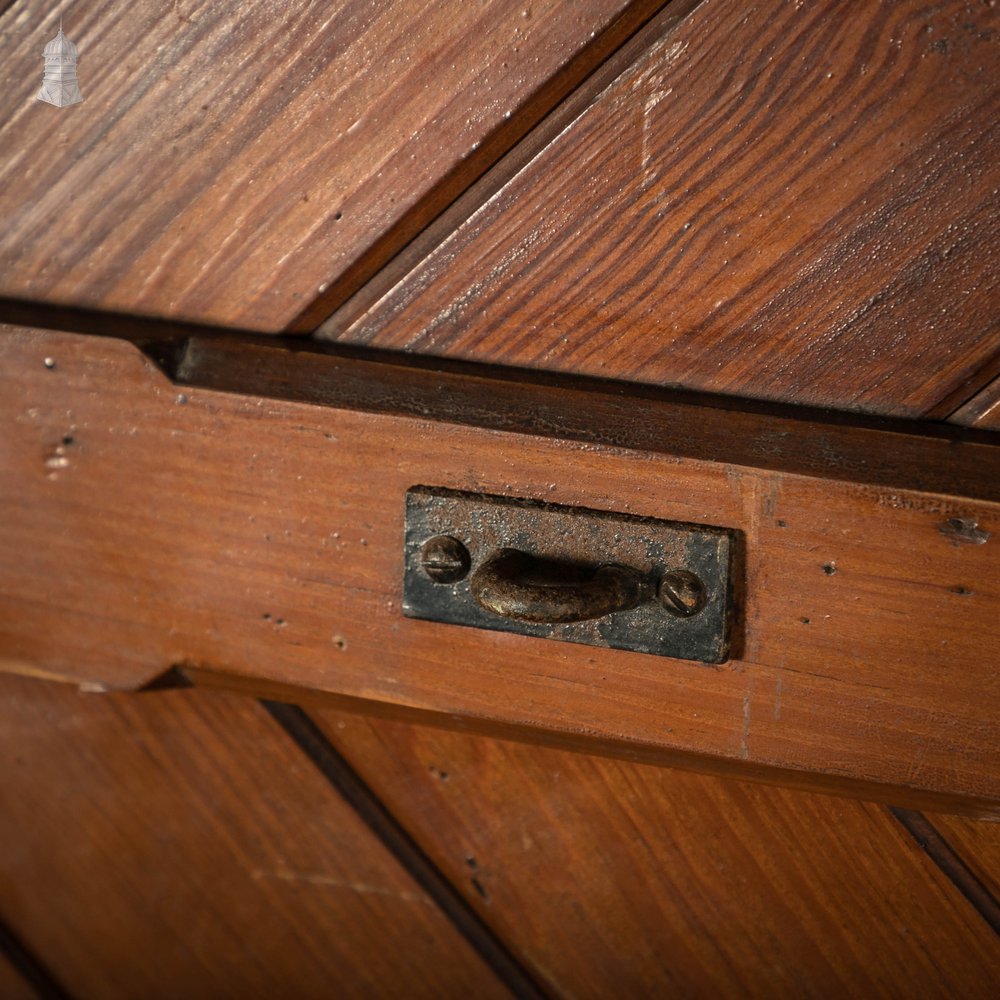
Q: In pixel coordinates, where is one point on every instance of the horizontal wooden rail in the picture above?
(903, 454)
(243, 520)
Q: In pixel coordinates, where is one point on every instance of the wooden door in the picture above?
(715, 263)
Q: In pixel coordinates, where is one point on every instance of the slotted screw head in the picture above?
(444, 559)
(681, 593)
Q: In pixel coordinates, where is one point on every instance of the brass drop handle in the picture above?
(524, 588)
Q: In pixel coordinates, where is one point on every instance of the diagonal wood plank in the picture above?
(612, 878)
(179, 844)
(978, 845)
(230, 163)
(786, 201)
(983, 410)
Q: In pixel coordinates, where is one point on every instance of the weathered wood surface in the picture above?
(146, 525)
(179, 844)
(793, 202)
(232, 163)
(622, 880)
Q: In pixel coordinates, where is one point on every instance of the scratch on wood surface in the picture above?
(650, 84)
(313, 878)
(916, 765)
(648, 167)
(91, 687)
(22, 668)
(772, 492)
(745, 739)
(777, 698)
(944, 506)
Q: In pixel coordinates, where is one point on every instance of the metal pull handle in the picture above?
(521, 587)
(594, 577)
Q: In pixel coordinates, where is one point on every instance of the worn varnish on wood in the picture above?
(179, 844)
(794, 202)
(147, 525)
(233, 163)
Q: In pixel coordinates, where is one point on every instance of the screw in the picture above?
(444, 559)
(681, 593)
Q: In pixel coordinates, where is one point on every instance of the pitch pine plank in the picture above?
(179, 844)
(231, 163)
(792, 202)
(617, 879)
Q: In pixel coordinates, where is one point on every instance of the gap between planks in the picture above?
(950, 862)
(345, 302)
(299, 726)
(30, 967)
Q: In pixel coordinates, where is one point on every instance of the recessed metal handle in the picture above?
(593, 577)
(524, 588)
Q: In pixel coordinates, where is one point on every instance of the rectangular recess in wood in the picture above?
(555, 572)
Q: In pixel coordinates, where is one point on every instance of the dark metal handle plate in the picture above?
(594, 577)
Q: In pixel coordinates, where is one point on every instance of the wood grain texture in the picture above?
(145, 525)
(784, 201)
(618, 879)
(233, 163)
(902, 455)
(983, 410)
(341, 777)
(179, 844)
(925, 456)
(978, 845)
